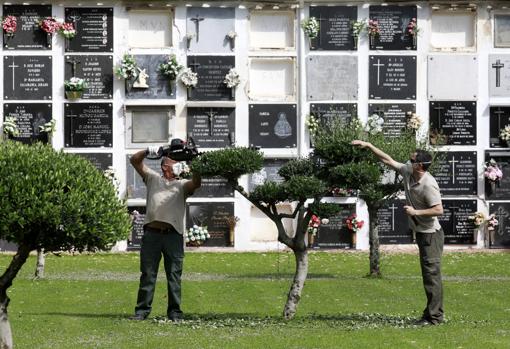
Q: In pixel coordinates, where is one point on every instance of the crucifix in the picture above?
(453, 161)
(320, 19)
(378, 65)
(454, 209)
(501, 214)
(197, 19)
(13, 66)
(378, 111)
(73, 63)
(210, 116)
(498, 113)
(498, 65)
(393, 208)
(74, 17)
(194, 65)
(71, 131)
(438, 108)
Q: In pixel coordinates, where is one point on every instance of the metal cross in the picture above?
(194, 65)
(498, 65)
(378, 65)
(438, 108)
(499, 112)
(71, 131)
(500, 214)
(393, 208)
(73, 63)
(320, 19)
(453, 161)
(378, 111)
(13, 66)
(197, 19)
(211, 115)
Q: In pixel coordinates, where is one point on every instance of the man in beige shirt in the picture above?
(163, 232)
(423, 206)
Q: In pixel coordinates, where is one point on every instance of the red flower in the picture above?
(9, 24)
(49, 25)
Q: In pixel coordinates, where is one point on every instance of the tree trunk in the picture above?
(5, 282)
(297, 284)
(39, 267)
(373, 239)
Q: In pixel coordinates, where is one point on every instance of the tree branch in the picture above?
(293, 214)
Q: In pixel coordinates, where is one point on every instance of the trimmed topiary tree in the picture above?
(300, 184)
(54, 201)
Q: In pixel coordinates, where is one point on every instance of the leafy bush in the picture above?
(297, 167)
(269, 193)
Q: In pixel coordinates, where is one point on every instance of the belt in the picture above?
(166, 230)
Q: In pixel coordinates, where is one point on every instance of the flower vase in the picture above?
(493, 186)
(189, 90)
(74, 94)
(170, 89)
(355, 39)
(129, 84)
(311, 239)
(232, 44)
(48, 39)
(233, 93)
(310, 46)
(415, 39)
(231, 237)
(353, 240)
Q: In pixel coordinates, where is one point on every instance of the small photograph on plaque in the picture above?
(101, 161)
(394, 116)
(210, 29)
(500, 237)
(499, 75)
(273, 125)
(272, 30)
(27, 34)
(452, 123)
(499, 121)
(150, 28)
(212, 215)
(335, 32)
(27, 77)
(148, 125)
(462, 73)
(392, 77)
(88, 125)
(211, 127)
(211, 72)
(272, 79)
(137, 213)
(393, 223)
(94, 29)
(458, 228)
(332, 77)
(394, 23)
(457, 173)
(500, 189)
(502, 30)
(453, 30)
(97, 71)
(29, 119)
(335, 233)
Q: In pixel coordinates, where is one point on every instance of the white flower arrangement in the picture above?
(75, 84)
(505, 133)
(374, 124)
(231, 35)
(413, 121)
(197, 234)
(311, 27)
(128, 68)
(357, 27)
(9, 126)
(312, 122)
(112, 175)
(48, 127)
(232, 78)
(181, 169)
(189, 78)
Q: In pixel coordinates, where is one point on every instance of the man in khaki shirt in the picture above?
(423, 206)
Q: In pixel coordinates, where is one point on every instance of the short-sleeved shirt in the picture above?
(166, 200)
(421, 195)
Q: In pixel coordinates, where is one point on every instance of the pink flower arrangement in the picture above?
(67, 30)
(313, 225)
(353, 224)
(492, 222)
(9, 25)
(49, 25)
(412, 27)
(492, 171)
(373, 27)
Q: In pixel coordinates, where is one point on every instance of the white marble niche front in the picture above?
(148, 125)
(272, 79)
(453, 31)
(272, 30)
(452, 77)
(150, 28)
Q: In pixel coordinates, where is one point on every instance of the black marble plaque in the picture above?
(211, 127)
(335, 31)
(269, 172)
(329, 113)
(457, 227)
(213, 215)
(273, 125)
(335, 234)
(27, 77)
(97, 72)
(393, 22)
(94, 29)
(392, 77)
(500, 237)
(457, 173)
(452, 123)
(137, 213)
(88, 125)
(28, 35)
(159, 86)
(211, 72)
(393, 223)
(501, 190)
(135, 187)
(394, 115)
(101, 161)
(499, 118)
(214, 187)
(29, 116)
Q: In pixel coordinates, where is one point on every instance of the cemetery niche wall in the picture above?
(30, 118)
(499, 190)
(27, 78)
(457, 227)
(500, 236)
(452, 123)
(335, 233)
(28, 34)
(393, 22)
(335, 28)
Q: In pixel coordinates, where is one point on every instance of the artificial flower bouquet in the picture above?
(49, 25)
(75, 84)
(413, 121)
(232, 78)
(128, 68)
(354, 224)
(478, 219)
(67, 30)
(189, 78)
(196, 235)
(492, 171)
(311, 27)
(171, 68)
(9, 25)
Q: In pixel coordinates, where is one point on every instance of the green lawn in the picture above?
(235, 300)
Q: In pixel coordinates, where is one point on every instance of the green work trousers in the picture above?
(431, 250)
(154, 244)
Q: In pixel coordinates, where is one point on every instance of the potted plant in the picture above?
(189, 79)
(357, 28)
(413, 30)
(231, 37)
(492, 174)
(127, 70)
(373, 30)
(354, 225)
(50, 26)
(9, 26)
(311, 28)
(74, 87)
(170, 70)
(504, 135)
(9, 127)
(196, 236)
(232, 80)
